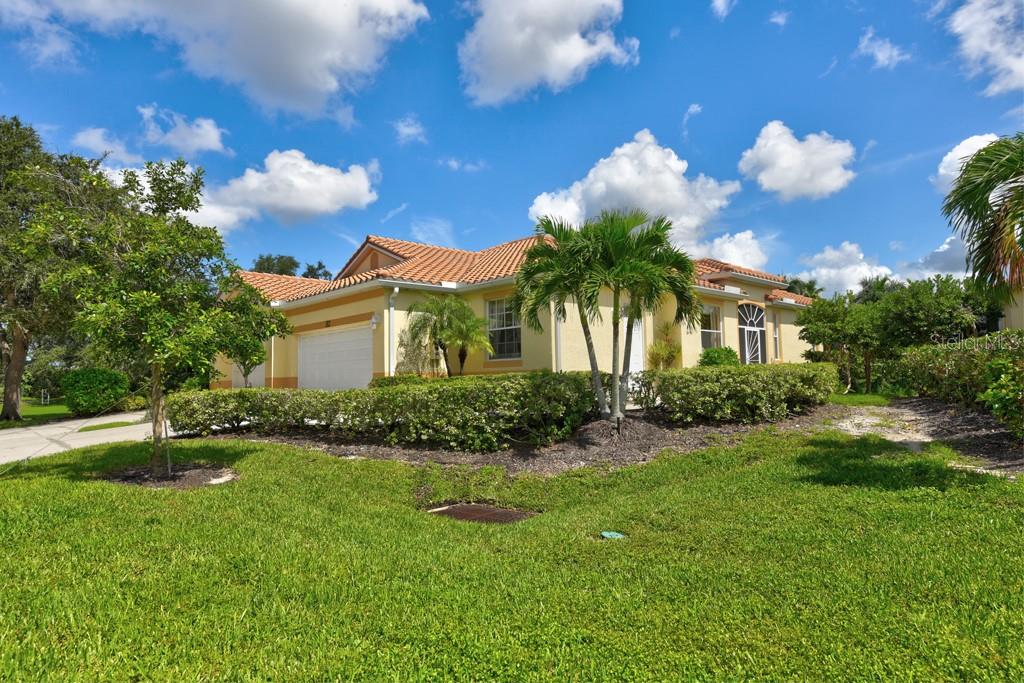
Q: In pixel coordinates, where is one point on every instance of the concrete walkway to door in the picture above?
(19, 443)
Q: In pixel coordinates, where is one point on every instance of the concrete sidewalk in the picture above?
(19, 443)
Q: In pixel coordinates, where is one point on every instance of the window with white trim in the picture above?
(752, 337)
(504, 330)
(710, 327)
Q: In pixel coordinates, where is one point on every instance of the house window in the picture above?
(710, 327)
(775, 335)
(504, 330)
(752, 336)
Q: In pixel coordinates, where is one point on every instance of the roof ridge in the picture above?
(292, 277)
(419, 244)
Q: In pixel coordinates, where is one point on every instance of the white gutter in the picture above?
(390, 282)
(786, 303)
(558, 341)
(743, 277)
(721, 293)
(392, 360)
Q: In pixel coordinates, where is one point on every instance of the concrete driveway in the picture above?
(19, 443)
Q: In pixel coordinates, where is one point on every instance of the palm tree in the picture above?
(634, 257)
(875, 287)
(808, 287)
(441, 322)
(552, 275)
(467, 332)
(986, 206)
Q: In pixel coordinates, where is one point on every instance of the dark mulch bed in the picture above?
(643, 436)
(972, 433)
(184, 476)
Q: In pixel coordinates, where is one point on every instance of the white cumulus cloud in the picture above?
(287, 55)
(409, 129)
(170, 129)
(840, 269)
(949, 167)
(814, 167)
(515, 47)
(99, 141)
(721, 8)
(291, 188)
(642, 174)
(884, 53)
(991, 34)
(742, 248)
(949, 258)
(779, 18)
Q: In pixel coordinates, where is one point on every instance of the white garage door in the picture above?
(336, 360)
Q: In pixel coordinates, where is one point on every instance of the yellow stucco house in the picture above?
(346, 331)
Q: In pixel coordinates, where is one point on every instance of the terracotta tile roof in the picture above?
(779, 294)
(283, 287)
(428, 264)
(706, 266)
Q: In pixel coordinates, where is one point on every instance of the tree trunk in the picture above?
(158, 460)
(595, 369)
(443, 348)
(616, 318)
(463, 352)
(626, 350)
(14, 370)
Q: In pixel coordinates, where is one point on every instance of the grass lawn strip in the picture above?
(788, 556)
(33, 414)
(110, 425)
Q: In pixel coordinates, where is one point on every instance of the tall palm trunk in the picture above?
(626, 351)
(595, 369)
(443, 348)
(158, 460)
(616, 319)
(14, 370)
(463, 353)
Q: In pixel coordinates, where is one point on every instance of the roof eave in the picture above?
(743, 277)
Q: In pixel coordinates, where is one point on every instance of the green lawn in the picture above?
(787, 557)
(33, 413)
(860, 399)
(108, 425)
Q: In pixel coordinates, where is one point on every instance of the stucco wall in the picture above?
(1014, 314)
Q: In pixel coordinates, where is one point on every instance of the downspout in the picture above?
(392, 360)
(271, 378)
(558, 343)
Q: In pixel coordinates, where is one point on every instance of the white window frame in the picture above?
(719, 331)
(775, 334)
(762, 335)
(490, 328)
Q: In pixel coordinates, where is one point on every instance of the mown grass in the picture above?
(33, 413)
(860, 399)
(109, 425)
(786, 557)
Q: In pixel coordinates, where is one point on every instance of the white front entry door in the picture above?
(336, 360)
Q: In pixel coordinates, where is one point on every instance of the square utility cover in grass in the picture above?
(787, 557)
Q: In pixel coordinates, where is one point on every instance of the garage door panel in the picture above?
(340, 359)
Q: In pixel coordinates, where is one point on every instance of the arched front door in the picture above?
(752, 334)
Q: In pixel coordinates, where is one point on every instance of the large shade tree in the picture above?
(986, 207)
(49, 208)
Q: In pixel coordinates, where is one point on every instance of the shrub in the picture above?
(90, 391)
(721, 355)
(133, 402)
(983, 372)
(745, 393)
(396, 380)
(465, 413)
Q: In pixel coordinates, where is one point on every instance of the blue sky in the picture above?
(800, 137)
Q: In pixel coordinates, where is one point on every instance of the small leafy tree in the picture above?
(467, 333)
(276, 264)
(248, 321)
(864, 335)
(317, 271)
(157, 298)
(663, 351)
(824, 323)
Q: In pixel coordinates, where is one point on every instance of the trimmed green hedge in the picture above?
(720, 355)
(90, 391)
(746, 393)
(397, 380)
(983, 372)
(464, 413)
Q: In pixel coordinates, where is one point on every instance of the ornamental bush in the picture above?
(396, 380)
(745, 393)
(719, 355)
(463, 413)
(983, 372)
(90, 391)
